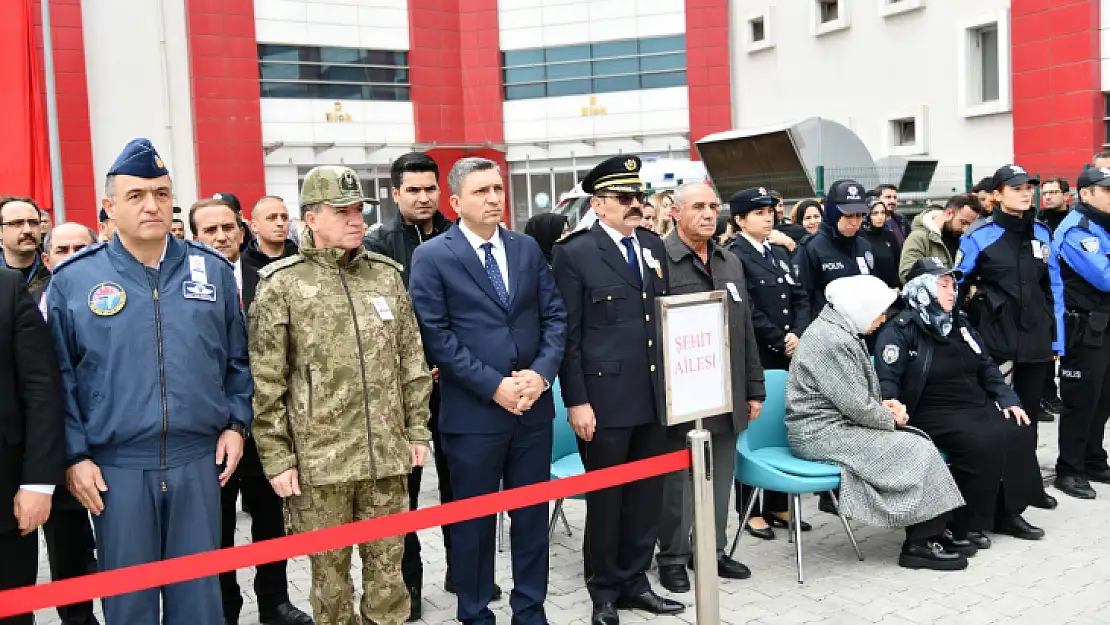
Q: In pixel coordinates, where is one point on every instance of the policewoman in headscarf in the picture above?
(932, 360)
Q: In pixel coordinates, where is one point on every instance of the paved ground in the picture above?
(1064, 578)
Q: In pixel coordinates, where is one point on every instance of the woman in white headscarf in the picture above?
(890, 477)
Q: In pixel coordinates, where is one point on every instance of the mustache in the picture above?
(633, 212)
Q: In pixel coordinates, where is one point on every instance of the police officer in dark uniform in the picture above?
(609, 276)
(780, 313)
(1081, 244)
(1008, 259)
(835, 251)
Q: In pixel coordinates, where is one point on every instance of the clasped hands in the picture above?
(519, 391)
(897, 411)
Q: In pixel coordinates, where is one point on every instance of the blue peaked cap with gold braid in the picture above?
(619, 174)
(139, 159)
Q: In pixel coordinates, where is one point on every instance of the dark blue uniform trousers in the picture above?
(141, 523)
(479, 463)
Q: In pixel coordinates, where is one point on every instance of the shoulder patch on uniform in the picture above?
(385, 260)
(278, 265)
(1090, 244)
(84, 253)
(197, 245)
(573, 235)
(890, 354)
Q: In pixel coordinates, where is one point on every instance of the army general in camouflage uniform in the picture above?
(341, 395)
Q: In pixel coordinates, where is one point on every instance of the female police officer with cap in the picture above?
(1008, 260)
(780, 313)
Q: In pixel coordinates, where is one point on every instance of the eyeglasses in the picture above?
(625, 199)
(21, 223)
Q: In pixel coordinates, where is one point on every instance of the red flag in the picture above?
(24, 160)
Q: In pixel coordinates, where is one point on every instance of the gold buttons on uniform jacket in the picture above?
(609, 297)
(644, 295)
(649, 342)
(653, 367)
(647, 317)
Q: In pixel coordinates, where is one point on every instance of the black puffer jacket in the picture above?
(398, 240)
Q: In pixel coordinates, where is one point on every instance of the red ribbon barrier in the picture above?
(165, 572)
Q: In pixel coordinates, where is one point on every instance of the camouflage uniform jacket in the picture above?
(340, 392)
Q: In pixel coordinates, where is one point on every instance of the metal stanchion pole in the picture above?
(705, 527)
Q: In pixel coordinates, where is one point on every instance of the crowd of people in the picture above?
(160, 379)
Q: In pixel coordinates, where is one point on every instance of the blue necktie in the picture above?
(494, 273)
(767, 254)
(633, 262)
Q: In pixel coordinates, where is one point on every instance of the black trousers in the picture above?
(1050, 391)
(919, 533)
(412, 567)
(267, 521)
(773, 500)
(69, 545)
(1084, 380)
(622, 522)
(19, 566)
(1028, 382)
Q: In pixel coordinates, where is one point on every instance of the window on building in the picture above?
(329, 73)
(986, 53)
(890, 8)
(829, 10)
(904, 132)
(625, 65)
(757, 29)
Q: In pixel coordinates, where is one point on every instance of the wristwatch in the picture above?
(239, 429)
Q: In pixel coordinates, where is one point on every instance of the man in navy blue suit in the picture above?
(494, 323)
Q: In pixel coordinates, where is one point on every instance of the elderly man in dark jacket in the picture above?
(694, 265)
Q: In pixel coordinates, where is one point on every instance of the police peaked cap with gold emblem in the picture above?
(139, 159)
(619, 174)
(743, 202)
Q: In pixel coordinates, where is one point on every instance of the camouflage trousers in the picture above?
(385, 601)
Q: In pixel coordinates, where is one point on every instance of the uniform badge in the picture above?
(785, 267)
(158, 162)
(890, 354)
(1090, 244)
(870, 259)
(630, 164)
(199, 291)
(971, 341)
(107, 299)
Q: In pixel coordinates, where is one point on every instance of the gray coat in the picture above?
(685, 276)
(834, 414)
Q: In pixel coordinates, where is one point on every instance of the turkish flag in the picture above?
(24, 159)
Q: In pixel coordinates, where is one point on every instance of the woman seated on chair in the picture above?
(932, 360)
(835, 413)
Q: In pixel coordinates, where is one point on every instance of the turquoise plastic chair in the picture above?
(565, 460)
(764, 462)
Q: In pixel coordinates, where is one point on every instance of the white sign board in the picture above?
(697, 367)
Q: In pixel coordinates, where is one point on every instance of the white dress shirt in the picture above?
(760, 247)
(498, 251)
(617, 237)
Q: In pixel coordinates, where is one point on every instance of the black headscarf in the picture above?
(546, 229)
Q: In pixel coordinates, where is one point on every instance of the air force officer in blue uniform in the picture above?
(153, 355)
(609, 276)
(493, 322)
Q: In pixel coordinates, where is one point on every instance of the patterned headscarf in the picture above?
(921, 294)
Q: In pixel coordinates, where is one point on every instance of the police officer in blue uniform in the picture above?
(1008, 259)
(1082, 300)
(835, 251)
(157, 389)
(609, 276)
(780, 313)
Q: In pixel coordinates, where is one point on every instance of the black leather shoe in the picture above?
(605, 614)
(449, 586)
(775, 521)
(1054, 405)
(825, 504)
(1048, 503)
(727, 568)
(651, 602)
(1075, 485)
(1099, 475)
(958, 544)
(1018, 527)
(673, 577)
(286, 614)
(931, 555)
(979, 539)
(415, 609)
(762, 533)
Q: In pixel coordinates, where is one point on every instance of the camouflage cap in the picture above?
(331, 184)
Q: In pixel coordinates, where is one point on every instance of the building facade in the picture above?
(247, 95)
